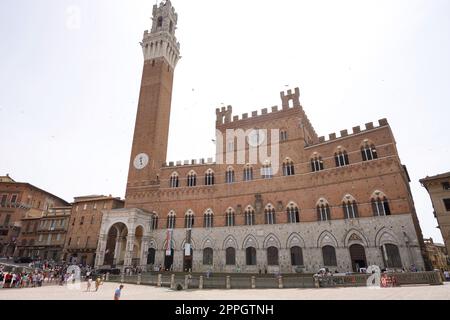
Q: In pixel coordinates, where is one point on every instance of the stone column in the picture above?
(144, 250)
(129, 250)
(101, 248)
(117, 250)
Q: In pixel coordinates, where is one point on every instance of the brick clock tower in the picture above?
(161, 54)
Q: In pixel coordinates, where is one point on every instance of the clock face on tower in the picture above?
(141, 161)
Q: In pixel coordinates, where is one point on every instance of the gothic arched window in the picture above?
(341, 158)
(174, 180)
(329, 256)
(272, 256)
(160, 22)
(368, 151)
(316, 163)
(350, 207)
(269, 214)
(248, 173)
(249, 216)
(288, 167)
(292, 213)
(192, 179)
(250, 256)
(208, 219)
(151, 256)
(171, 220)
(208, 256)
(323, 211)
(266, 170)
(155, 222)
(189, 220)
(391, 256)
(230, 218)
(380, 204)
(229, 175)
(296, 256)
(230, 256)
(209, 178)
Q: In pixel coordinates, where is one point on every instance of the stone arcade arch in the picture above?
(116, 244)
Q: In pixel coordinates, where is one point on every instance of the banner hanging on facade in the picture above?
(169, 242)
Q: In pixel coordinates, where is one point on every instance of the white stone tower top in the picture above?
(161, 41)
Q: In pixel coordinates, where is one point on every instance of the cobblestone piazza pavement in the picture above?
(134, 292)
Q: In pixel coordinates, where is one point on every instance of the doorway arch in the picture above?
(116, 244)
(357, 257)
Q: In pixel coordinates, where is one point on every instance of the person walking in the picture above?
(118, 292)
(98, 282)
(89, 284)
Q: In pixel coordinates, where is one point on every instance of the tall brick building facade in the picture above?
(342, 202)
(84, 227)
(22, 205)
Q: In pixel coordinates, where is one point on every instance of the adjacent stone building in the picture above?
(437, 254)
(438, 187)
(19, 200)
(84, 227)
(342, 202)
(52, 232)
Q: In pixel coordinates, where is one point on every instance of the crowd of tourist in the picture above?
(45, 273)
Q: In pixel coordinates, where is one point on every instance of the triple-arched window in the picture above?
(323, 210)
(189, 220)
(316, 163)
(341, 158)
(174, 180)
(266, 170)
(192, 179)
(288, 167)
(171, 220)
(368, 151)
(208, 219)
(350, 207)
(249, 216)
(229, 175)
(209, 177)
(230, 218)
(269, 213)
(292, 213)
(248, 173)
(380, 204)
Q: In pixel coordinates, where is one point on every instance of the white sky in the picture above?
(68, 97)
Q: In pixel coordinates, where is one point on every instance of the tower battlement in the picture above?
(355, 130)
(161, 40)
(225, 114)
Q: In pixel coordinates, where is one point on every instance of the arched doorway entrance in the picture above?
(168, 259)
(358, 257)
(116, 244)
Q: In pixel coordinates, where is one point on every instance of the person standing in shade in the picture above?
(118, 292)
